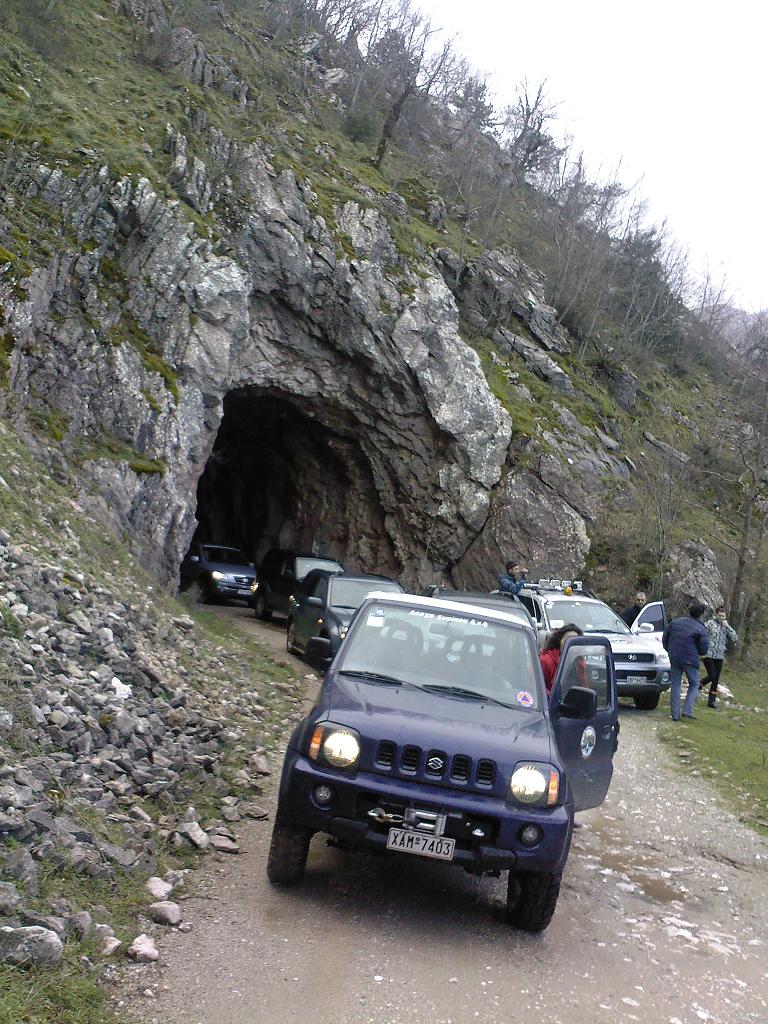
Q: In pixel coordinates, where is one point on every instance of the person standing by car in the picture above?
(553, 649)
(512, 580)
(686, 641)
(630, 614)
(719, 633)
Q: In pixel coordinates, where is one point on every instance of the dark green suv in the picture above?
(279, 574)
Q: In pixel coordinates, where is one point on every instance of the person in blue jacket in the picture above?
(512, 580)
(686, 641)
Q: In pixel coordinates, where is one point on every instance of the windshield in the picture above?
(464, 656)
(227, 556)
(352, 593)
(591, 616)
(305, 565)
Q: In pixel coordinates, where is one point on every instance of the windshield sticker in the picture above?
(419, 614)
(556, 623)
(524, 698)
(376, 618)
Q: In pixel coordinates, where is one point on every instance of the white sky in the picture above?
(676, 90)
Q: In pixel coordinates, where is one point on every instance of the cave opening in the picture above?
(286, 473)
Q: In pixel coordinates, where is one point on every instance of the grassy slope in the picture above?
(729, 747)
(39, 513)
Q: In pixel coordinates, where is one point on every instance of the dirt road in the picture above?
(663, 918)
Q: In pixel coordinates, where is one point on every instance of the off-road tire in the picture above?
(648, 702)
(287, 854)
(209, 594)
(260, 609)
(532, 898)
(290, 638)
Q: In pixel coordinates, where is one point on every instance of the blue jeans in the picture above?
(676, 677)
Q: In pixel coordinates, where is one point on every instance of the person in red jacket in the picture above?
(550, 656)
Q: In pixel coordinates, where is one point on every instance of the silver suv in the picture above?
(641, 663)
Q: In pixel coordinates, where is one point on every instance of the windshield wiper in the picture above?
(613, 632)
(459, 691)
(377, 677)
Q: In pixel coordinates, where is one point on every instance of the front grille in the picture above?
(411, 759)
(460, 768)
(433, 765)
(639, 657)
(244, 581)
(385, 755)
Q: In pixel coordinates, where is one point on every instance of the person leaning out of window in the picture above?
(720, 635)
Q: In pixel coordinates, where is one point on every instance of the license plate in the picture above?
(636, 679)
(244, 593)
(424, 846)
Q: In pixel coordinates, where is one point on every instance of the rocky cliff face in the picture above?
(214, 346)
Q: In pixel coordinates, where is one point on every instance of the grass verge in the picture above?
(729, 747)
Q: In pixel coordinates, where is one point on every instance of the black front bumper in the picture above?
(347, 818)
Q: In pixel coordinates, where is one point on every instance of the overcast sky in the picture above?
(676, 90)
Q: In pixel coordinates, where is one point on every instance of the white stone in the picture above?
(143, 949)
(159, 889)
(165, 912)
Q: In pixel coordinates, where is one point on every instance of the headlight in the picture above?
(254, 586)
(535, 784)
(216, 575)
(343, 630)
(335, 744)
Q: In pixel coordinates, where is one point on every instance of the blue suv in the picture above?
(433, 736)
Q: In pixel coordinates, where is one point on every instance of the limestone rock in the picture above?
(159, 889)
(143, 949)
(165, 912)
(10, 901)
(34, 947)
(693, 575)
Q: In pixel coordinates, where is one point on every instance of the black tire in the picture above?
(648, 702)
(287, 854)
(260, 608)
(290, 638)
(209, 594)
(532, 898)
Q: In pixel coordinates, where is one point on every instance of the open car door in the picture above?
(586, 731)
(653, 615)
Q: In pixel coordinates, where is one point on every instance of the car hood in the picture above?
(232, 570)
(343, 615)
(633, 644)
(406, 715)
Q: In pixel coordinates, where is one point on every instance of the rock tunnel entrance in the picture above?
(284, 474)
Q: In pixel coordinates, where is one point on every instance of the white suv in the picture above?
(641, 663)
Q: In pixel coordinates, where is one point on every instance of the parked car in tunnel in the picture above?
(279, 574)
(433, 736)
(324, 603)
(219, 571)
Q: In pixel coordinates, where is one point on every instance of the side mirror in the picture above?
(314, 602)
(289, 574)
(251, 565)
(194, 558)
(318, 649)
(579, 702)
(645, 627)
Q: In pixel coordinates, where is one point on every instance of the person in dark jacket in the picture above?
(512, 580)
(630, 614)
(686, 641)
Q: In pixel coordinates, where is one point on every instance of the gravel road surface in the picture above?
(663, 918)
